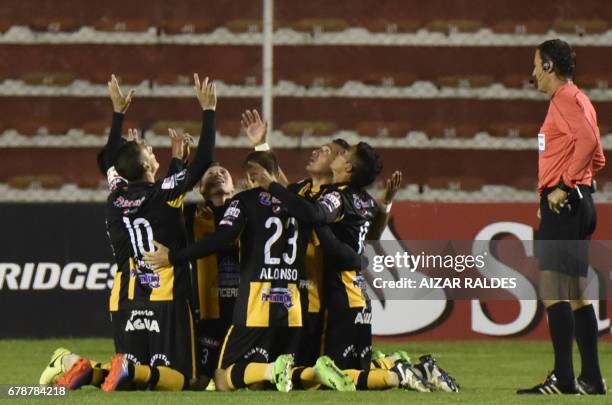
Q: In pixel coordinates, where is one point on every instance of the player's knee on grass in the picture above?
(221, 382)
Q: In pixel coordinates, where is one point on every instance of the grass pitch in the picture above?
(488, 372)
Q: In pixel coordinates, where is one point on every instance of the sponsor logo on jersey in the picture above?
(232, 212)
(277, 295)
(157, 358)
(362, 204)
(126, 203)
(257, 351)
(149, 279)
(141, 320)
(332, 201)
(364, 317)
(171, 182)
(267, 199)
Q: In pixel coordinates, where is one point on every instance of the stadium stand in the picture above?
(429, 92)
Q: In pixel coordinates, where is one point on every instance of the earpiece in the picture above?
(546, 66)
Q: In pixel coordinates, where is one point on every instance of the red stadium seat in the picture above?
(58, 24)
(517, 81)
(123, 25)
(319, 24)
(513, 130)
(522, 27)
(191, 127)
(244, 25)
(449, 26)
(391, 26)
(382, 129)
(188, 26)
(389, 78)
(465, 81)
(48, 78)
(580, 27)
(451, 131)
(229, 128)
(299, 128)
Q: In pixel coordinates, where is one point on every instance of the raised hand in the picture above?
(256, 173)
(392, 186)
(255, 128)
(177, 144)
(206, 92)
(133, 136)
(120, 102)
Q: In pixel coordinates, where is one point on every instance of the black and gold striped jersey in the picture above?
(139, 212)
(216, 277)
(348, 212)
(312, 286)
(272, 247)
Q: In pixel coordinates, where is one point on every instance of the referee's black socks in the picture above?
(586, 336)
(561, 325)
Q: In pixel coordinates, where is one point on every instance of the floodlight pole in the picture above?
(267, 60)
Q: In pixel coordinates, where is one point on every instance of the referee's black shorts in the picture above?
(562, 241)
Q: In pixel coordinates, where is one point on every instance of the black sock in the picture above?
(561, 326)
(586, 337)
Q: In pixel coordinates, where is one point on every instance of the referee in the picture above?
(570, 153)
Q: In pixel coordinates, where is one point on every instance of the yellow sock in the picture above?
(372, 379)
(98, 374)
(142, 375)
(381, 379)
(255, 373)
(305, 378)
(387, 363)
(169, 380)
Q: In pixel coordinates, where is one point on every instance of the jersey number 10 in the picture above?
(135, 229)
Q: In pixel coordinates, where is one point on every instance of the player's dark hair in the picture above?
(130, 162)
(267, 160)
(562, 56)
(366, 165)
(342, 143)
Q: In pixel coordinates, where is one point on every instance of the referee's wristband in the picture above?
(264, 147)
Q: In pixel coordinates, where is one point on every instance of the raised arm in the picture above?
(381, 220)
(120, 105)
(206, 93)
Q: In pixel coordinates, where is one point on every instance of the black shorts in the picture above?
(210, 336)
(258, 345)
(562, 241)
(311, 339)
(160, 334)
(348, 338)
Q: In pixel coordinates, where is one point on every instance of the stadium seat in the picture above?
(319, 24)
(465, 81)
(450, 26)
(382, 129)
(48, 181)
(99, 127)
(449, 130)
(299, 128)
(173, 79)
(191, 127)
(123, 25)
(20, 182)
(580, 27)
(58, 24)
(513, 130)
(229, 128)
(391, 26)
(48, 78)
(525, 183)
(188, 26)
(243, 25)
(389, 78)
(517, 81)
(521, 27)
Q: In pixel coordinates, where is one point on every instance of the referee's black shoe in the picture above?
(551, 387)
(588, 388)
